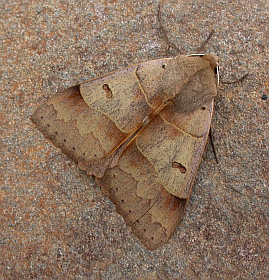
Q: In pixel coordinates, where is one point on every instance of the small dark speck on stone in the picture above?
(264, 97)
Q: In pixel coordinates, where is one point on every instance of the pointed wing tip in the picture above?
(34, 118)
(169, 210)
(153, 240)
(38, 120)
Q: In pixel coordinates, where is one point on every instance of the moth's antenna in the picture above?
(206, 41)
(217, 68)
(164, 33)
(235, 81)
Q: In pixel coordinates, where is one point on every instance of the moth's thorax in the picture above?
(190, 81)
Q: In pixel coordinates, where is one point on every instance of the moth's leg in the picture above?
(212, 143)
(235, 81)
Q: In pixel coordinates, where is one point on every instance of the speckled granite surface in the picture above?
(55, 224)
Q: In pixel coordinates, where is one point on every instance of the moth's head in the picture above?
(213, 62)
(212, 59)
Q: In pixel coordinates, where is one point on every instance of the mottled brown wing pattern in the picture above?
(79, 131)
(134, 187)
(147, 174)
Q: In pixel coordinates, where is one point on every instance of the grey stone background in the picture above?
(55, 223)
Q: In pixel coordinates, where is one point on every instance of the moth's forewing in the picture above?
(150, 181)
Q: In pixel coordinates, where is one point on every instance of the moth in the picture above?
(141, 132)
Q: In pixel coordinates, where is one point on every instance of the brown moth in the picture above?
(141, 132)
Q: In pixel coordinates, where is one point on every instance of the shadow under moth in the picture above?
(141, 132)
